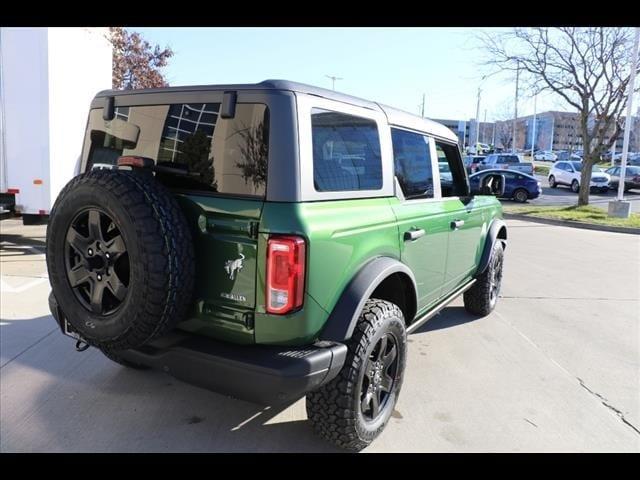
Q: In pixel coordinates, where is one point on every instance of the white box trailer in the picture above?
(48, 77)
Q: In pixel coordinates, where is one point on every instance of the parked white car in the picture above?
(568, 173)
(545, 156)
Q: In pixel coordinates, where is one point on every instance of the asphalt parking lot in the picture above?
(556, 367)
(564, 196)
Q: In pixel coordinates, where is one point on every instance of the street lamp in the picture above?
(533, 133)
(478, 113)
(620, 208)
(515, 116)
(333, 80)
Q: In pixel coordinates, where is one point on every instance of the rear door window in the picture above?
(198, 150)
(346, 152)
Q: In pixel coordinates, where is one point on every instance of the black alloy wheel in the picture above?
(97, 263)
(380, 374)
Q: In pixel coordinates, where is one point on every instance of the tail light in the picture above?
(285, 273)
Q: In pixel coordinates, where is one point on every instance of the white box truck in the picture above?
(48, 77)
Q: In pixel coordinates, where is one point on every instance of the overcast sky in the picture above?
(394, 66)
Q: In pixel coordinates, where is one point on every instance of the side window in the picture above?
(453, 180)
(412, 161)
(199, 150)
(501, 160)
(346, 152)
(560, 165)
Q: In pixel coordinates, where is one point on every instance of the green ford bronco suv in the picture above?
(270, 241)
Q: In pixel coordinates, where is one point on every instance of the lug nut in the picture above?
(107, 255)
(99, 277)
(90, 252)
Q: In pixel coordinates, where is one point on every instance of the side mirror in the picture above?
(493, 184)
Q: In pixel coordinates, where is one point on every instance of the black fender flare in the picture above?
(493, 235)
(344, 317)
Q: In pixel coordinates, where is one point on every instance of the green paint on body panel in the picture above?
(342, 236)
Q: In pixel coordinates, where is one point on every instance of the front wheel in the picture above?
(575, 186)
(552, 182)
(353, 409)
(482, 297)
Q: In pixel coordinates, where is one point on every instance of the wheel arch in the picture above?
(497, 233)
(384, 278)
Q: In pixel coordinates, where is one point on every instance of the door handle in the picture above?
(414, 234)
(456, 224)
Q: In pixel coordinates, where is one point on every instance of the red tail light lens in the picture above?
(285, 273)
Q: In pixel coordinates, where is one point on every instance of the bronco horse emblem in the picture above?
(234, 266)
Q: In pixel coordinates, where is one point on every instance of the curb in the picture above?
(570, 223)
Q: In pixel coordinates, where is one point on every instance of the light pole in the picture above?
(533, 133)
(485, 122)
(333, 80)
(422, 106)
(628, 119)
(477, 122)
(493, 138)
(515, 116)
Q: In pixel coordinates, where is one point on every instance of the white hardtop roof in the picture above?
(415, 122)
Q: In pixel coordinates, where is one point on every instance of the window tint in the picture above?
(412, 161)
(454, 182)
(508, 159)
(198, 150)
(346, 152)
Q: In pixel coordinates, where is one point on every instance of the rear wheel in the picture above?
(353, 409)
(520, 195)
(552, 182)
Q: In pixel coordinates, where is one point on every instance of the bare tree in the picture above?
(588, 67)
(135, 63)
(503, 124)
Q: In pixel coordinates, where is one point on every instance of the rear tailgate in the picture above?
(226, 244)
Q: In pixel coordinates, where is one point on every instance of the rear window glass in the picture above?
(508, 159)
(346, 152)
(199, 150)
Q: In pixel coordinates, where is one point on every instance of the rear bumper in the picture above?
(257, 373)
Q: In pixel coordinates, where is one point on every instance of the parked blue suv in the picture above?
(518, 186)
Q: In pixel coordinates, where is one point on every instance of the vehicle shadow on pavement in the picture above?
(20, 240)
(83, 402)
(447, 318)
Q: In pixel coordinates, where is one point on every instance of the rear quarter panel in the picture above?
(342, 236)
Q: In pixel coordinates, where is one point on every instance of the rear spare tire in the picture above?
(120, 258)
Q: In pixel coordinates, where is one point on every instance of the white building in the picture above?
(48, 77)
